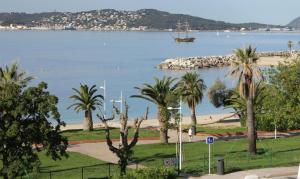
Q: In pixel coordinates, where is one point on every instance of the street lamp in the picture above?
(121, 110)
(180, 131)
(104, 97)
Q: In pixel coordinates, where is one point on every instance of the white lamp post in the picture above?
(180, 131)
(104, 97)
(121, 110)
(275, 131)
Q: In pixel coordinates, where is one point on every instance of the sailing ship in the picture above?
(183, 28)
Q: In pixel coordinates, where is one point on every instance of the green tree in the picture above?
(162, 93)
(282, 103)
(25, 114)
(244, 67)
(238, 102)
(290, 46)
(86, 100)
(191, 87)
(11, 74)
(218, 94)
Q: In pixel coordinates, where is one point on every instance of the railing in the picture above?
(99, 171)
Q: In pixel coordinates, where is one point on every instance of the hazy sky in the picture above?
(263, 11)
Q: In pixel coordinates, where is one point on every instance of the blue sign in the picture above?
(209, 140)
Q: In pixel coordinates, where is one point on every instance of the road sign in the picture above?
(209, 140)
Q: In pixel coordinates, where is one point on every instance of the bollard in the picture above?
(220, 166)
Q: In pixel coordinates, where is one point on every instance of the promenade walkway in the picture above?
(265, 173)
(100, 150)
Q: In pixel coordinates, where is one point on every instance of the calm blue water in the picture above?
(124, 59)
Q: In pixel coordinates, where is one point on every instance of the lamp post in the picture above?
(121, 110)
(104, 97)
(180, 131)
(275, 131)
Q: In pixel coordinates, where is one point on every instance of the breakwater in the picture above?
(199, 62)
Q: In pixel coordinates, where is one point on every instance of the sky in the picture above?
(263, 11)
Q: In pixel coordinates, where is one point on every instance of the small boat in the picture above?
(183, 28)
(69, 27)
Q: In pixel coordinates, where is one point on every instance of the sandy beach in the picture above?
(203, 120)
(267, 61)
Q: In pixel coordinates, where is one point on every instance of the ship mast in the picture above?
(179, 28)
(187, 28)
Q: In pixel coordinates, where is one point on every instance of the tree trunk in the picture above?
(5, 165)
(88, 121)
(163, 124)
(123, 166)
(194, 119)
(251, 126)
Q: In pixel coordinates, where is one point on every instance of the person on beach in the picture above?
(190, 132)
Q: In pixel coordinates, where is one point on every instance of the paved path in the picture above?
(274, 173)
(100, 150)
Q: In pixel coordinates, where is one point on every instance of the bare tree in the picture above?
(124, 152)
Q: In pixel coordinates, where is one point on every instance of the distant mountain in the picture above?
(164, 20)
(295, 23)
(110, 19)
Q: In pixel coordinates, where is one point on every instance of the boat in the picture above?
(183, 28)
(69, 27)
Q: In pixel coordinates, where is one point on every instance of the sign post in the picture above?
(298, 177)
(209, 140)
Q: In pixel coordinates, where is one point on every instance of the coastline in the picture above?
(202, 120)
(202, 62)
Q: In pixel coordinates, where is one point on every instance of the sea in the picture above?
(65, 59)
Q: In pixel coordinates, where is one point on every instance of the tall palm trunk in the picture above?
(163, 125)
(194, 118)
(88, 121)
(251, 126)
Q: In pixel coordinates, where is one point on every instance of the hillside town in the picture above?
(100, 20)
(121, 20)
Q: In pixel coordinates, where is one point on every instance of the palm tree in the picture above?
(162, 94)
(87, 101)
(11, 74)
(244, 67)
(290, 45)
(239, 102)
(192, 87)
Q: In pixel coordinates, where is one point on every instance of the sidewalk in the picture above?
(274, 173)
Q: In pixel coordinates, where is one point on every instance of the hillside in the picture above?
(295, 23)
(110, 19)
(164, 20)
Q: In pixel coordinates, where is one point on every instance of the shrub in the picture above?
(150, 173)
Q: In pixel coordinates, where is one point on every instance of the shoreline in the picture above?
(203, 62)
(153, 123)
(4, 28)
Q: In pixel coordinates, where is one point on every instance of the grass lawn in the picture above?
(220, 130)
(279, 152)
(60, 169)
(98, 134)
